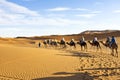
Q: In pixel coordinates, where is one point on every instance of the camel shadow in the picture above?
(77, 54)
(69, 76)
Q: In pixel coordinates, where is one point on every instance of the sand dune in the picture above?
(21, 60)
(29, 63)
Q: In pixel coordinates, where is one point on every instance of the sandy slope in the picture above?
(29, 63)
(18, 62)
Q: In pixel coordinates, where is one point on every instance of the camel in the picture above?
(62, 44)
(54, 43)
(97, 44)
(45, 43)
(112, 47)
(72, 43)
(48, 43)
(83, 44)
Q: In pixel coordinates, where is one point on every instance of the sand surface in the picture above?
(23, 62)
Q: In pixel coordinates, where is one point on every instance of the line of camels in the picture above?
(83, 45)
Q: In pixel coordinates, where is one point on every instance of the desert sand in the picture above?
(20, 60)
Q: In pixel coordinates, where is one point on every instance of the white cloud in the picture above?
(10, 7)
(116, 11)
(67, 9)
(96, 12)
(59, 9)
(81, 9)
(56, 15)
(91, 14)
(11, 13)
(1, 11)
(86, 15)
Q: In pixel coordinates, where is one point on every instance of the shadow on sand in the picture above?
(81, 75)
(116, 68)
(69, 76)
(77, 54)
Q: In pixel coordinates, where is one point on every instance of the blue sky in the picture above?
(50, 17)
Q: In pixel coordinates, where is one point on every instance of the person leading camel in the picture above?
(39, 44)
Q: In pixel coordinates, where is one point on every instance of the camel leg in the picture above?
(97, 48)
(100, 48)
(74, 46)
(81, 48)
(116, 52)
(85, 48)
(112, 52)
(91, 47)
(64, 46)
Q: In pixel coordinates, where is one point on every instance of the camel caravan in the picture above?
(109, 43)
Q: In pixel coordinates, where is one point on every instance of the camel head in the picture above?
(67, 42)
(101, 41)
(89, 41)
(78, 42)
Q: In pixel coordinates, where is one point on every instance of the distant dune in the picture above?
(89, 34)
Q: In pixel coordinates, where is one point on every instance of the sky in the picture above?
(57, 17)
